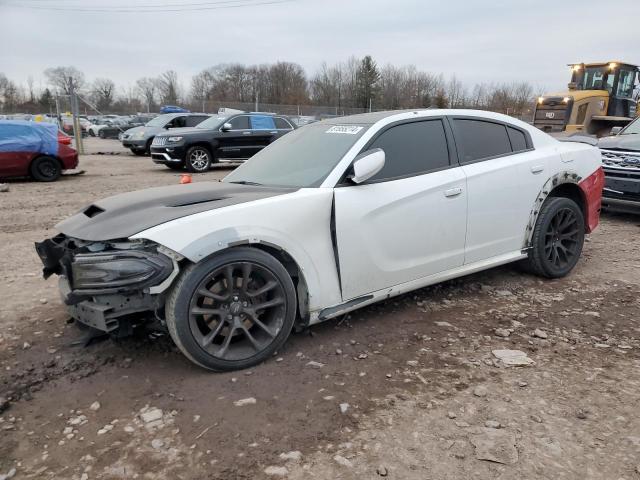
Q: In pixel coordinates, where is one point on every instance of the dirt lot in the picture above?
(408, 389)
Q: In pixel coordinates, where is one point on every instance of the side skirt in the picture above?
(353, 304)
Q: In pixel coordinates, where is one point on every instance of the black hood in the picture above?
(122, 216)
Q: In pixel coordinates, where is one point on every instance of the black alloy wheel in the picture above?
(558, 238)
(232, 311)
(45, 169)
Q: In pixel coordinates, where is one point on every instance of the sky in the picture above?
(476, 40)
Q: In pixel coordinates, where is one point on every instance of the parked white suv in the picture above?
(331, 217)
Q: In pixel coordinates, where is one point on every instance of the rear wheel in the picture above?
(91, 133)
(558, 237)
(45, 169)
(198, 159)
(101, 134)
(232, 311)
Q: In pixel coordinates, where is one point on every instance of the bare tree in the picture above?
(103, 91)
(147, 89)
(168, 87)
(63, 77)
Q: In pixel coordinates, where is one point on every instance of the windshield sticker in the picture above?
(345, 129)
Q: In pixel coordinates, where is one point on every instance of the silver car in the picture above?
(138, 139)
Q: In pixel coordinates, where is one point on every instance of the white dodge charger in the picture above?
(331, 217)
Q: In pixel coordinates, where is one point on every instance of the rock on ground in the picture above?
(495, 446)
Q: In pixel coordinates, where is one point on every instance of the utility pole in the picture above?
(77, 131)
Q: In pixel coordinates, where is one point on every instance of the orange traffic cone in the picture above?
(185, 178)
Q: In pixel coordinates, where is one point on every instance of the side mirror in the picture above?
(226, 127)
(615, 131)
(367, 164)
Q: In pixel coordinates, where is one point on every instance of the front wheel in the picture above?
(558, 237)
(138, 153)
(233, 310)
(198, 159)
(101, 134)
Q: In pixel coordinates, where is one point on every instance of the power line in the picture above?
(216, 5)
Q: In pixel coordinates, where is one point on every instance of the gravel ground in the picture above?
(410, 388)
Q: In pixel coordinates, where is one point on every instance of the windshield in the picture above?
(160, 121)
(597, 78)
(212, 122)
(302, 158)
(632, 129)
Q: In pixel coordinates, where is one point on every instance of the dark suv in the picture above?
(218, 139)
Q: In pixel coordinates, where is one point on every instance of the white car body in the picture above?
(398, 235)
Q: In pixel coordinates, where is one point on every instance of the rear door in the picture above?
(504, 177)
(263, 132)
(408, 221)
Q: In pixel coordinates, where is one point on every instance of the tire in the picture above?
(139, 153)
(101, 134)
(558, 238)
(45, 169)
(251, 334)
(91, 133)
(198, 159)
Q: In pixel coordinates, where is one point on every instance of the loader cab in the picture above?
(600, 96)
(619, 80)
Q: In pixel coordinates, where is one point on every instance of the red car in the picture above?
(38, 150)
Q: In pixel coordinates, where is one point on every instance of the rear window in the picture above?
(477, 139)
(262, 122)
(518, 139)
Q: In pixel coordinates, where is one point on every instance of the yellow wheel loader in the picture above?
(601, 97)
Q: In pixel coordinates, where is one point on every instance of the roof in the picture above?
(602, 64)
(368, 118)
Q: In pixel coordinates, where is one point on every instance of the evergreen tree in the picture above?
(367, 78)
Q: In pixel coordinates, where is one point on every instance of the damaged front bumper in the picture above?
(103, 283)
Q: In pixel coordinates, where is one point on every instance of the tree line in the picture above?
(355, 84)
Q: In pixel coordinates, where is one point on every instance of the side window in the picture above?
(282, 124)
(477, 139)
(625, 83)
(194, 120)
(262, 122)
(518, 139)
(240, 123)
(411, 149)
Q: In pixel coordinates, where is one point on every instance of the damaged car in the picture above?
(331, 217)
(621, 163)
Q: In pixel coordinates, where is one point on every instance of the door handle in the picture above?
(537, 169)
(246, 133)
(453, 192)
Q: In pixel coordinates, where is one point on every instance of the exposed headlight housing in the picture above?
(119, 270)
(174, 139)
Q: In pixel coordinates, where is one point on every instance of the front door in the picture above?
(407, 222)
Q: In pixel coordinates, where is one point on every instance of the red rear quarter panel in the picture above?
(592, 191)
